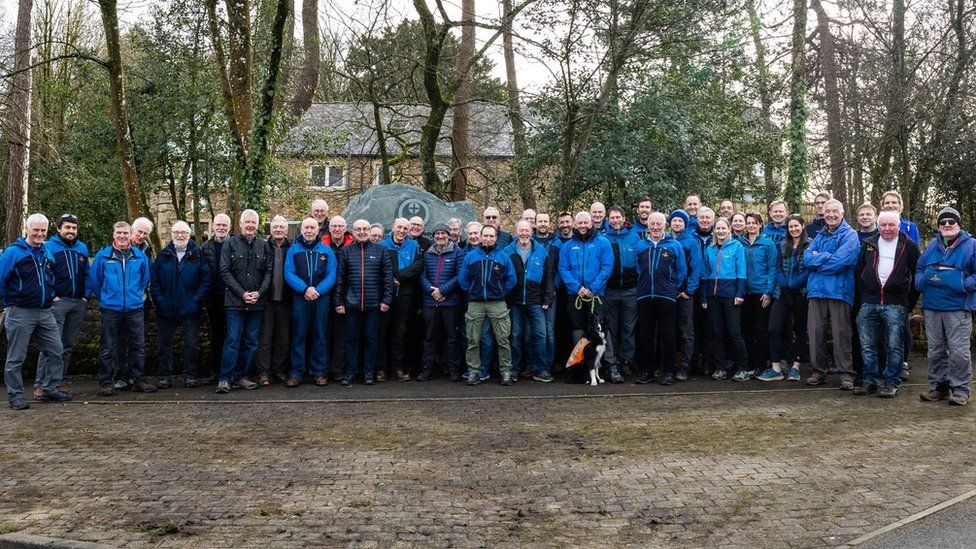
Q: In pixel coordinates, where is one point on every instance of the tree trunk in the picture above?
(120, 108)
(770, 189)
(515, 110)
(461, 130)
(798, 168)
(19, 126)
(308, 81)
(835, 130)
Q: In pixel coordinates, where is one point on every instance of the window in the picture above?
(444, 171)
(378, 174)
(329, 176)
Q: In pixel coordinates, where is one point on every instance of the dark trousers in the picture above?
(443, 327)
(788, 329)
(115, 326)
(725, 319)
(365, 324)
(703, 334)
(271, 359)
(837, 314)
(755, 330)
(309, 321)
(123, 362)
(217, 329)
(656, 324)
(336, 336)
(394, 326)
(563, 332)
(191, 344)
(685, 320)
(579, 318)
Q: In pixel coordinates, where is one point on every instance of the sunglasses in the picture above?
(491, 217)
(947, 222)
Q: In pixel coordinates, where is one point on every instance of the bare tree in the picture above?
(515, 109)
(19, 125)
(835, 138)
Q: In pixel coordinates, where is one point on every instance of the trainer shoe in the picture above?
(245, 383)
(143, 386)
(55, 396)
(106, 390)
(292, 382)
(222, 388)
(906, 371)
(401, 375)
(38, 393)
(720, 375)
(264, 381)
(506, 378)
(321, 381)
(346, 382)
(189, 381)
(668, 379)
(644, 378)
(815, 379)
(682, 373)
(846, 385)
(473, 378)
(164, 383)
(866, 389)
(794, 374)
(958, 400)
(544, 377)
(888, 391)
(770, 375)
(122, 385)
(742, 375)
(380, 376)
(19, 404)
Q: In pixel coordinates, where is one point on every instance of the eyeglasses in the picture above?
(947, 222)
(491, 217)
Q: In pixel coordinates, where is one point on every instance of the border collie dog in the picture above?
(593, 355)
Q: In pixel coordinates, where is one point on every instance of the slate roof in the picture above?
(341, 129)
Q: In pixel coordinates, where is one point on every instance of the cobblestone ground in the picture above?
(798, 468)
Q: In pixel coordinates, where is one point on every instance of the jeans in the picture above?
(115, 327)
(622, 314)
(838, 314)
(685, 313)
(69, 313)
(191, 344)
(881, 325)
(243, 329)
(442, 328)
(550, 353)
(309, 325)
(217, 329)
(788, 329)
(501, 324)
(657, 325)
(22, 324)
(366, 323)
(528, 339)
(950, 361)
(725, 319)
(271, 358)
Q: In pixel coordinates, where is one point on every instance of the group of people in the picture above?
(728, 295)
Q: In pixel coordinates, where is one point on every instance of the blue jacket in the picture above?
(441, 269)
(777, 234)
(487, 276)
(533, 279)
(179, 288)
(692, 224)
(910, 229)
(790, 273)
(947, 276)
(639, 228)
(364, 278)
(705, 239)
(693, 257)
(70, 267)
(552, 244)
(830, 259)
(26, 276)
(661, 268)
(310, 264)
(624, 245)
(724, 273)
(761, 258)
(586, 262)
(407, 259)
(119, 279)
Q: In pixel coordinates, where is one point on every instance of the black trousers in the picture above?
(788, 329)
(217, 330)
(191, 344)
(274, 345)
(725, 318)
(703, 337)
(394, 326)
(336, 339)
(443, 326)
(755, 330)
(656, 325)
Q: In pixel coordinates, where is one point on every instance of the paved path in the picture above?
(722, 465)
(948, 529)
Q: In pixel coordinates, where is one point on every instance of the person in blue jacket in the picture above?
(528, 301)
(723, 290)
(179, 280)
(27, 292)
(830, 259)
(685, 306)
(487, 275)
(310, 272)
(776, 228)
(71, 262)
(642, 211)
(891, 201)
(661, 272)
(761, 255)
(585, 266)
(788, 317)
(551, 242)
(621, 298)
(946, 276)
(442, 304)
(406, 257)
(119, 277)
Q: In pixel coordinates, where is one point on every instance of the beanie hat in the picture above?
(441, 227)
(679, 213)
(948, 212)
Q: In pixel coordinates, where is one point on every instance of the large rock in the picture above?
(384, 203)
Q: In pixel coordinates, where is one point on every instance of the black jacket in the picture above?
(245, 267)
(364, 278)
(899, 289)
(210, 250)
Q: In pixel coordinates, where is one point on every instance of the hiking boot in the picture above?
(106, 390)
(164, 383)
(794, 374)
(320, 381)
(644, 378)
(292, 382)
(222, 388)
(380, 376)
(189, 381)
(55, 396)
(933, 395)
(143, 386)
(425, 375)
(473, 379)
(866, 389)
(19, 404)
(719, 375)
(770, 375)
(888, 391)
(506, 378)
(682, 373)
(543, 377)
(815, 379)
(668, 379)
(958, 400)
(245, 383)
(846, 385)
(401, 375)
(742, 375)
(906, 371)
